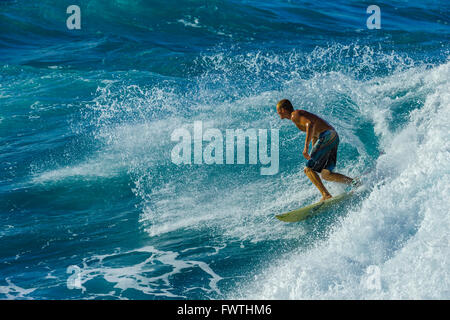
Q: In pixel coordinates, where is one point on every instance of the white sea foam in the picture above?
(152, 275)
(12, 291)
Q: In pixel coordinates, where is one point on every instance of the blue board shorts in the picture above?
(324, 152)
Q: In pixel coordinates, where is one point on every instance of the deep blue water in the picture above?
(89, 192)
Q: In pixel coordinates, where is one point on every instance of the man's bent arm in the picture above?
(309, 129)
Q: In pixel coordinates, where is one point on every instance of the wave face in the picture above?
(93, 207)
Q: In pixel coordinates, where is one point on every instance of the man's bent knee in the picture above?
(325, 174)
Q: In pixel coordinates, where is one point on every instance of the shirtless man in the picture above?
(325, 141)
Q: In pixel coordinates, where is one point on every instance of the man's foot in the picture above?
(325, 197)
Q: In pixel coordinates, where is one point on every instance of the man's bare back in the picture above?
(325, 141)
(301, 118)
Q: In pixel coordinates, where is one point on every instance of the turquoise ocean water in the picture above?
(92, 206)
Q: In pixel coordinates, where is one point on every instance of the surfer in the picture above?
(325, 141)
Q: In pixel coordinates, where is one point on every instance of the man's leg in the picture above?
(335, 177)
(314, 177)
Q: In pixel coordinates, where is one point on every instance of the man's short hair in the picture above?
(286, 105)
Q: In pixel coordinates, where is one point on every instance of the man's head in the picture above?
(284, 109)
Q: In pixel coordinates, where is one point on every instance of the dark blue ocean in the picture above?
(92, 205)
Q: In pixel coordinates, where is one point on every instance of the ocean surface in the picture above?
(92, 205)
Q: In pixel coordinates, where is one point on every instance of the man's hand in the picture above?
(306, 154)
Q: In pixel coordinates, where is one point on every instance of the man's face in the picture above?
(284, 114)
